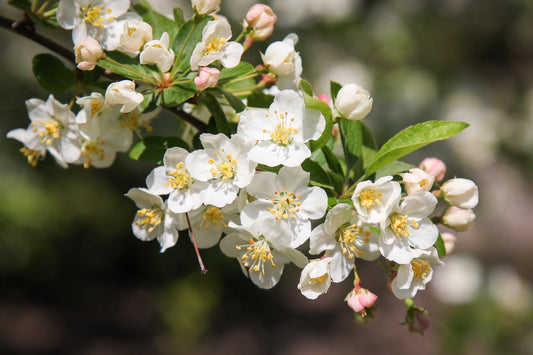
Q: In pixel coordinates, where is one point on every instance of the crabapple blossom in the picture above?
(344, 239)
(288, 199)
(315, 279)
(87, 53)
(134, 36)
(52, 129)
(458, 219)
(414, 276)
(207, 78)
(353, 102)
(154, 220)
(281, 131)
(224, 164)
(123, 93)
(157, 52)
(282, 59)
(360, 298)
(205, 6)
(173, 178)
(374, 201)
(262, 250)
(417, 180)
(460, 192)
(216, 45)
(408, 230)
(91, 106)
(260, 19)
(433, 166)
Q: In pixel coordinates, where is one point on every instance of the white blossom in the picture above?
(417, 180)
(157, 52)
(282, 131)
(374, 201)
(315, 279)
(353, 102)
(123, 93)
(282, 59)
(205, 6)
(134, 36)
(460, 192)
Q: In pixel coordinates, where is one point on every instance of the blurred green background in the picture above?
(74, 279)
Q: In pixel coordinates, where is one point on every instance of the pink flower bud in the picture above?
(449, 242)
(458, 218)
(417, 180)
(87, 53)
(434, 166)
(324, 98)
(261, 19)
(207, 78)
(417, 319)
(360, 298)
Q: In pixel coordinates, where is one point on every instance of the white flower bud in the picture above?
(458, 218)
(459, 192)
(134, 36)
(157, 52)
(88, 52)
(207, 78)
(417, 180)
(123, 93)
(205, 6)
(315, 279)
(353, 102)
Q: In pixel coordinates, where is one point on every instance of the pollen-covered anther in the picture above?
(151, 218)
(370, 197)
(350, 238)
(258, 251)
(400, 225)
(179, 178)
(212, 216)
(420, 268)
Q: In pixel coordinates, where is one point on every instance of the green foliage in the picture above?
(306, 87)
(52, 74)
(153, 148)
(334, 89)
(124, 65)
(221, 123)
(439, 245)
(318, 176)
(316, 104)
(177, 94)
(189, 34)
(158, 22)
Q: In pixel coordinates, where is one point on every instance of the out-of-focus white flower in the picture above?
(417, 180)
(94, 18)
(460, 192)
(374, 201)
(288, 199)
(157, 52)
(345, 239)
(262, 250)
(408, 230)
(415, 275)
(459, 281)
(205, 6)
(134, 36)
(511, 292)
(154, 220)
(91, 106)
(216, 45)
(282, 59)
(449, 242)
(207, 78)
(260, 19)
(174, 178)
(281, 131)
(315, 279)
(353, 102)
(433, 166)
(123, 93)
(458, 219)
(88, 52)
(52, 129)
(360, 298)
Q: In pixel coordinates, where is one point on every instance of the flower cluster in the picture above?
(256, 172)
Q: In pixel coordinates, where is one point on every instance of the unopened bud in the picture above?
(460, 192)
(360, 298)
(449, 242)
(88, 52)
(261, 19)
(353, 102)
(417, 180)
(435, 167)
(458, 219)
(207, 78)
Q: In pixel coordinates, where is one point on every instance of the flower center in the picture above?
(285, 204)
(224, 168)
(179, 179)
(151, 218)
(95, 15)
(283, 132)
(213, 216)
(370, 197)
(400, 225)
(132, 121)
(257, 254)
(92, 149)
(351, 238)
(316, 280)
(33, 156)
(96, 107)
(421, 268)
(214, 45)
(49, 130)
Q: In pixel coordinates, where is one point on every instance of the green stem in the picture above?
(42, 8)
(146, 78)
(50, 13)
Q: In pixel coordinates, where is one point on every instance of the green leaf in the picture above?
(393, 168)
(128, 67)
(178, 16)
(242, 69)
(318, 175)
(189, 34)
(306, 87)
(177, 94)
(153, 148)
(439, 245)
(352, 141)
(334, 88)
(413, 138)
(52, 74)
(158, 22)
(234, 101)
(332, 160)
(221, 122)
(260, 99)
(316, 104)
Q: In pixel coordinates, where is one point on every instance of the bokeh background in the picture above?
(73, 278)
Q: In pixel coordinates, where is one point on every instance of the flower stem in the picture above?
(191, 235)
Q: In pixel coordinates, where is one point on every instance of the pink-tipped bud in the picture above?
(360, 298)
(207, 78)
(87, 53)
(324, 98)
(435, 167)
(449, 242)
(261, 19)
